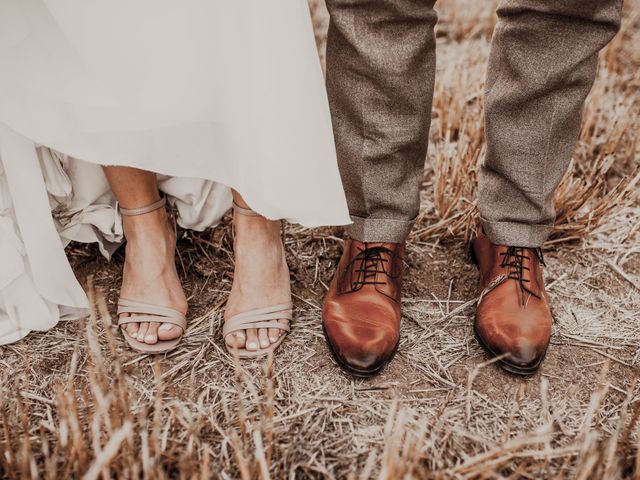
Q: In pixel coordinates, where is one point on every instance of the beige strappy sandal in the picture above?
(266, 317)
(148, 313)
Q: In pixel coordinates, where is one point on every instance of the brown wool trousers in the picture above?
(380, 76)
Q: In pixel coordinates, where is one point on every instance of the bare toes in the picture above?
(274, 335)
(283, 330)
(236, 340)
(142, 331)
(152, 333)
(169, 331)
(252, 340)
(263, 338)
(129, 328)
(132, 329)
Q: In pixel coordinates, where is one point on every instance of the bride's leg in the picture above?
(150, 274)
(261, 275)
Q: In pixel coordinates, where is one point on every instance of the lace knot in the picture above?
(367, 264)
(513, 259)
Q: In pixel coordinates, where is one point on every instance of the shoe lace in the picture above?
(513, 258)
(372, 261)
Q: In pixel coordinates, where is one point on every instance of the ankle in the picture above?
(151, 224)
(248, 228)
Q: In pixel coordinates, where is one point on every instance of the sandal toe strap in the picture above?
(149, 313)
(178, 322)
(260, 318)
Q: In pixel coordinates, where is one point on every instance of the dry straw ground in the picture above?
(75, 402)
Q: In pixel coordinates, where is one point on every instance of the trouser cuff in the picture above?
(386, 230)
(515, 234)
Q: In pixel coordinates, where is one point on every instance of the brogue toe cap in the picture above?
(522, 343)
(361, 349)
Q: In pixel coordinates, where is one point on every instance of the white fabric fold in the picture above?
(48, 263)
(47, 200)
(210, 95)
(36, 277)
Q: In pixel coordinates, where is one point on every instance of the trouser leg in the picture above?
(542, 65)
(380, 74)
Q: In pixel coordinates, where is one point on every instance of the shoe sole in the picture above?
(510, 367)
(355, 371)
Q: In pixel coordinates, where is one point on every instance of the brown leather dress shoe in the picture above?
(513, 316)
(361, 314)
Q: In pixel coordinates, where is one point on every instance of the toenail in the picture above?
(251, 345)
(273, 338)
(165, 326)
(150, 338)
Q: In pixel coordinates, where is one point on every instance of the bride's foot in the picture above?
(150, 274)
(261, 279)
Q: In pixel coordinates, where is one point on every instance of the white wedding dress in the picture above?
(210, 94)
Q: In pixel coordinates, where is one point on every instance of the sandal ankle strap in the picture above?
(132, 212)
(247, 212)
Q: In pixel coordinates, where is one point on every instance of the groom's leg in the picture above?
(542, 65)
(380, 73)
